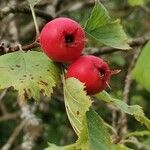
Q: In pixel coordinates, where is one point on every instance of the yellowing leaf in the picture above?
(76, 102)
(29, 73)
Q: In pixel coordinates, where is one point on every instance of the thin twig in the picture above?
(2, 106)
(104, 50)
(128, 81)
(23, 9)
(14, 135)
(9, 116)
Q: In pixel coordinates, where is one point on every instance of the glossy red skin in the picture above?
(87, 69)
(52, 40)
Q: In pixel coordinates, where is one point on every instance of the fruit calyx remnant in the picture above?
(69, 38)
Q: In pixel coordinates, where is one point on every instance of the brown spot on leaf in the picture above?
(12, 68)
(40, 76)
(26, 94)
(37, 65)
(78, 112)
(29, 90)
(24, 75)
(32, 78)
(48, 70)
(43, 82)
(18, 66)
(42, 91)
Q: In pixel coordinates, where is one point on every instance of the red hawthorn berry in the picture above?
(91, 70)
(62, 39)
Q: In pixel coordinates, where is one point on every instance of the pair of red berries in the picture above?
(63, 40)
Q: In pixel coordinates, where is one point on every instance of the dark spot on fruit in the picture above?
(43, 82)
(69, 38)
(40, 76)
(18, 66)
(37, 65)
(24, 75)
(32, 78)
(102, 72)
(48, 70)
(78, 112)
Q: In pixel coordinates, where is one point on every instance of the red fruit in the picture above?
(91, 70)
(62, 39)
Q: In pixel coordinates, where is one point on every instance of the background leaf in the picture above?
(103, 29)
(55, 147)
(28, 72)
(134, 110)
(76, 102)
(120, 147)
(141, 72)
(137, 2)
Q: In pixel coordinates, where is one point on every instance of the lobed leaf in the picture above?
(134, 110)
(29, 73)
(102, 28)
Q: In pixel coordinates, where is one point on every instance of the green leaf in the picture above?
(55, 147)
(33, 2)
(137, 2)
(134, 110)
(137, 133)
(120, 147)
(102, 28)
(141, 71)
(98, 135)
(28, 72)
(94, 135)
(147, 143)
(76, 102)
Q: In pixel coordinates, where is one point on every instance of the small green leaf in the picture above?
(137, 2)
(55, 147)
(94, 135)
(134, 110)
(102, 28)
(33, 2)
(141, 72)
(76, 102)
(98, 135)
(120, 147)
(138, 133)
(28, 72)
